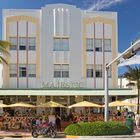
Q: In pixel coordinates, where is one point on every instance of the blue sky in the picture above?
(128, 14)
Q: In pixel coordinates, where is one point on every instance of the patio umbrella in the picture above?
(85, 104)
(120, 103)
(3, 105)
(21, 104)
(51, 104)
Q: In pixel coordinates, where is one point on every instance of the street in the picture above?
(101, 138)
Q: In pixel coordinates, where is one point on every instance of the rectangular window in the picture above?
(98, 45)
(13, 70)
(57, 44)
(98, 71)
(89, 44)
(65, 44)
(22, 43)
(32, 43)
(65, 70)
(89, 70)
(22, 70)
(107, 45)
(13, 41)
(61, 70)
(61, 44)
(32, 70)
(57, 70)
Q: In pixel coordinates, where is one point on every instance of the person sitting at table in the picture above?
(75, 118)
(52, 119)
(90, 117)
(1, 121)
(26, 124)
(38, 122)
(12, 122)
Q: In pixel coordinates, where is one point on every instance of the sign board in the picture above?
(60, 85)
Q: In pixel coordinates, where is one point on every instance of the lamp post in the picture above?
(128, 53)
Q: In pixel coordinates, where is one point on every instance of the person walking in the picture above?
(137, 121)
(58, 122)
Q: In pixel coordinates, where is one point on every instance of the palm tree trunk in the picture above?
(138, 100)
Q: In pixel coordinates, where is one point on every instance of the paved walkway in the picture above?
(15, 134)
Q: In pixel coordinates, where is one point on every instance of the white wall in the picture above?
(67, 20)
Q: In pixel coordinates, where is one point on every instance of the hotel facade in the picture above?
(59, 53)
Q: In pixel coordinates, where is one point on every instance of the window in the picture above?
(61, 44)
(65, 70)
(32, 43)
(22, 70)
(89, 44)
(98, 70)
(56, 44)
(22, 43)
(13, 70)
(89, 70)
(32, 70)
(98, 45)
(13, 41)
(107, 45)
(61, 70)
(65, 44)
(57, 70)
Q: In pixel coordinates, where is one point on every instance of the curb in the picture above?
(15, 135)
(114, 136)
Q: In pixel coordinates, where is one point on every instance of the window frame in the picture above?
(89, 44)
(99, 70)
(21, 67)
(97, 47)
(11, 69)
(92, 71)
(24, 44)
(61, 71)
(58, 71)
(65, 71)
(60, 45)
(31, 45)
(30, 70)
(13, 47)
(107, 50)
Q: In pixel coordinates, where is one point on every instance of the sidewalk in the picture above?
(28, 134)
(14, 134)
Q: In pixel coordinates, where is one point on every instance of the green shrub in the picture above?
(97, 129)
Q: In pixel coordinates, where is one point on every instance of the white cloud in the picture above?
(132, 61)
(100, 4)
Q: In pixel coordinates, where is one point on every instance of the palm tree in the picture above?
(4, 45)
(133, 75)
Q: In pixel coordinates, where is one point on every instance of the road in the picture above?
(70, 138)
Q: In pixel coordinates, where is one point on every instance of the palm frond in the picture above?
(131, 84)
(5, 43)
(2, 60)
(133, 73)
(4, 46)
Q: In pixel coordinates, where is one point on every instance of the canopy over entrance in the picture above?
(67, 92)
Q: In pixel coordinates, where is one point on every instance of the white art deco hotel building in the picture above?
(59, 53)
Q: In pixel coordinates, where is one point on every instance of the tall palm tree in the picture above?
(4, 45)
(133, 75)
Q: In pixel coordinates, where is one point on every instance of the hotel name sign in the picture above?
(59, 84)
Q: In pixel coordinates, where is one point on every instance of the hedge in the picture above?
(97, 129)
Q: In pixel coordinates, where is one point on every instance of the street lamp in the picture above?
(128, 53)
